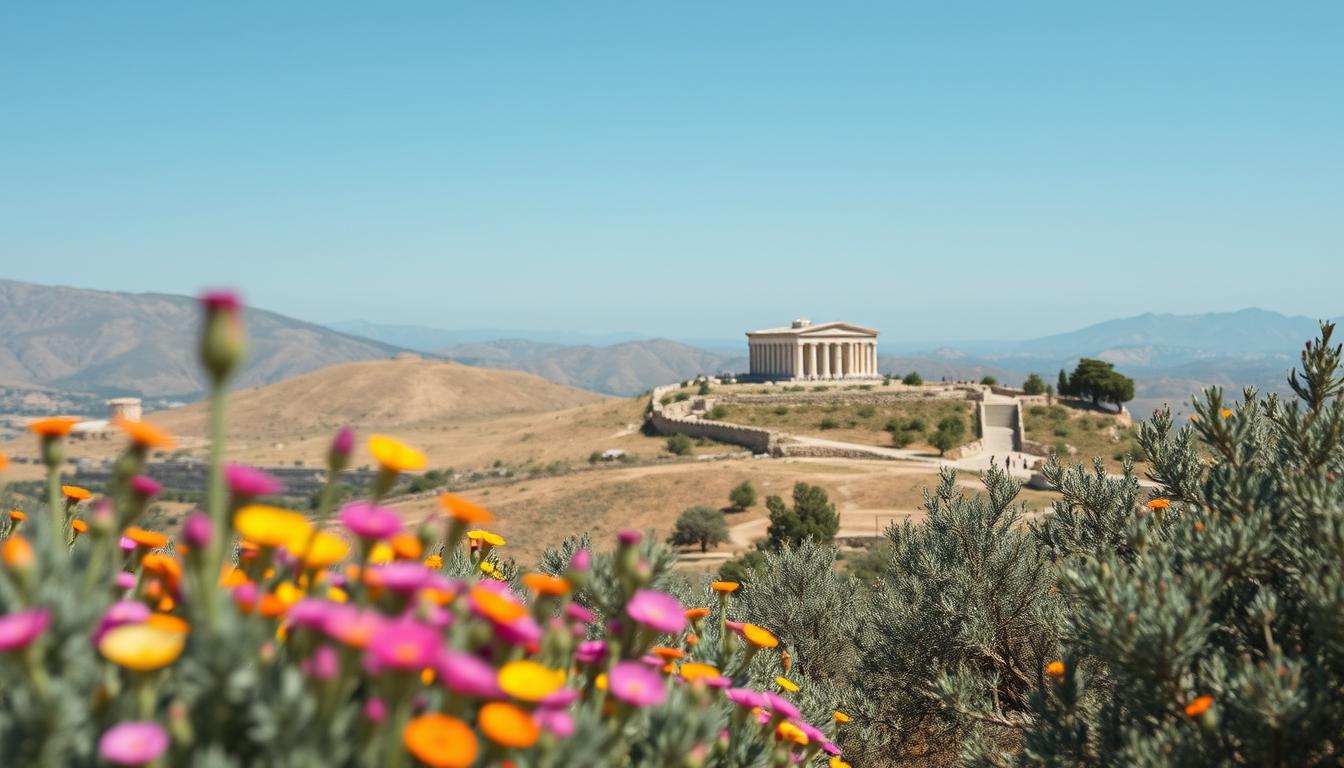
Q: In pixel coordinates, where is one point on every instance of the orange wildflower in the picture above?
(75, 493)
(840, 717)
(4, 462)
(440, 741)
(508, 725)
(164, 566)
(16, 552)
(464, 511)
(1157, 504)
(1055, 669)
(546, 584)
(168, 622)
(146, 539)
(57, 426)
(759, 636)
(668, 654)
(1199, 706)
(694, 670)
(79, 526)
(406, 546)
(1227, 413)
(696, 614)
(724, 587)
(496, 607)
(17, 515)
(434, 561)
(144, 434)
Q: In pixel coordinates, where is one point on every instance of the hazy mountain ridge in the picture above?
(145, 343)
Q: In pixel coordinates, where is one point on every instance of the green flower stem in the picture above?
(57, 533)
(215, 496)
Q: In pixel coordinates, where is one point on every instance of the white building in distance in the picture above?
(802, 351)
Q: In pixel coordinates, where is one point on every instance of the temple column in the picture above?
(833, 354)
(797, 360)
(846, 359)
(812, 360)
(872, 353)
(824, 357)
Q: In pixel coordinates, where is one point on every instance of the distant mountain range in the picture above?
(109, 343)
(104, 343)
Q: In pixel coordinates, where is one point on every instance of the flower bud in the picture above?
(197, 531)
(17, 555)
(223, 342)
(342, 445)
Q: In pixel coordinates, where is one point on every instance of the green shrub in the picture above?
(990, 381)
(781, 410)
(865, 411)
(1034, 385)
(699, 526)
(829, 422)
(812, 516)
(916, 424)
(717, 412)
(681, 397)
(901, 438)
(1037, 410)
(1061, 431)
(912, 379)
(679, 445)
(743, 495)
(1058, 412)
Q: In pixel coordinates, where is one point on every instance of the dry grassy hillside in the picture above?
(381, 394)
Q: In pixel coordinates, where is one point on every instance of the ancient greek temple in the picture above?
(806, 352)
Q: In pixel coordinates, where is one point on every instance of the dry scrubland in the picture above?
(1091, 432)
(865, 424)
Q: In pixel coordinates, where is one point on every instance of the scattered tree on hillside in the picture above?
(679, 445)
(990, 381)
(704, 388)
(1034, 385)
(699, 525)
(1049, 394)
(1098, 381)
(950, 431)
(912, 379)
(812, 516)
(743, 495)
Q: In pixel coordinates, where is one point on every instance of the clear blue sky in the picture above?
(942, 171)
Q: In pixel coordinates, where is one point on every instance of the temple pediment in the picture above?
(820, 330)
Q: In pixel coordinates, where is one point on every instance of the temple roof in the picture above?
(833, 328)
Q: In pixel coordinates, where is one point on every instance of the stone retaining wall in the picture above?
(677, 418)
(802, 451)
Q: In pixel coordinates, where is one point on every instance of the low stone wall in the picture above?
(969, 449)
(799, 450)
(677, 419)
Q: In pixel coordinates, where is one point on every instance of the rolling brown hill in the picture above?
(145, 343)
(381, 394)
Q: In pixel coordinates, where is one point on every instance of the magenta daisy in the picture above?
(370, 521)
(636, 684)
(20, 629)
(251, 482)
(657, 611)
(402, 645)
(465, 674)
(133, 743)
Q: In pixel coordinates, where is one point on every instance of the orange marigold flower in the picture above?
(1199, 706)
(394, 455)
(668, 654)
(696, 614)
(434, 561)
(440, 741)
(168, 622)
(496, 607)
(1055, 669)
(146, 539)
(759, 636)
(1157, 504)
(694, 670)
(724, 587)
(406, 546)
(75, 493)
(787, 731)
(840, 717)
(144, 434)
(546, 584)
(16, 552)
(164, 566)
(1227, 413)
(57, 426)
(17, 515)
(463, 511)
(79, 526)
(508, 725)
